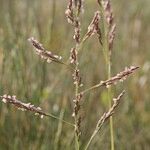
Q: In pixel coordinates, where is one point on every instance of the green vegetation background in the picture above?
(49, 86)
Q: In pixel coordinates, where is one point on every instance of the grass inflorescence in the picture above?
(102, 30)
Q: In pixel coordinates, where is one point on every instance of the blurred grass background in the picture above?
(50, 85)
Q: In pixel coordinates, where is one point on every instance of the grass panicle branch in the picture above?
(69, 12)
(43, 53)
(108, 27)
(113, 80)
(105, 117)
(28, 107)
(109, 19)
(93, 27)
(73, 12)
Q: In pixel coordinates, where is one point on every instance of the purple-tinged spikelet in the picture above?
(22, 106)
(43, 53)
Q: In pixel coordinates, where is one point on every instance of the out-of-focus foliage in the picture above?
(50, 85)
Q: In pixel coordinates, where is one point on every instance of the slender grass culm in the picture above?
(102, 25)
(108, 27)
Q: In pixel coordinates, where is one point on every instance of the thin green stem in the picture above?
(91, 138)
(55, 117)
(109, 98)
(77, 146)
(92, 88)
(108, 66)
